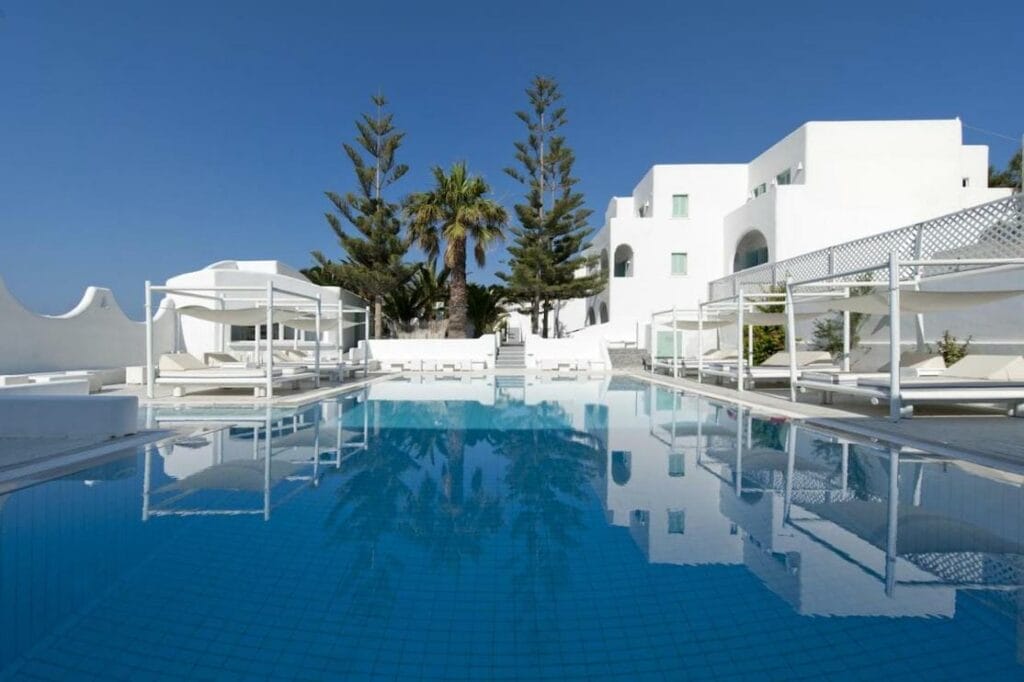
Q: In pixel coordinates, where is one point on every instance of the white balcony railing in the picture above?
(992, 230)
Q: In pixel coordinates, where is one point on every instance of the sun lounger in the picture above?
(182, 369)
(774, 369)
(912, 364)
(974, 379)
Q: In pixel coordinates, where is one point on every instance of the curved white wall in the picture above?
(96, 334)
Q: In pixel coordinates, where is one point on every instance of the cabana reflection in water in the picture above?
(549, 518)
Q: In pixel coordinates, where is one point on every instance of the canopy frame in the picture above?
(216, 292)
(892, 283)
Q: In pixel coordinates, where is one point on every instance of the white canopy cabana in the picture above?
(268, 310)
(744, 310)
(901, 285)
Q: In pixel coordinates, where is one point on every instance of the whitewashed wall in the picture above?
(96, 334)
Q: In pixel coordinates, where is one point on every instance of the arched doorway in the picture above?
(751, 251)
(591, 317)
(623, 261)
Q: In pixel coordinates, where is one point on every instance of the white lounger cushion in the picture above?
(213, 373)
(980, 371)
(179, 362)
(803, 359)
(218, 359)
(293, 355)
(918, 360)
(989, 367)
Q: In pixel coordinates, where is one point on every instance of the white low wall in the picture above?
(68, 416)
(396, 351)
(628, 332)
(582, 351)
(96, 334)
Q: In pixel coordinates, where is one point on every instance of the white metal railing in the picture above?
(991, 230)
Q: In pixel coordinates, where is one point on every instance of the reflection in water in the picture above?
(469, 520)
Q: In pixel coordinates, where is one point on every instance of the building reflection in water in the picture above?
(833, 526)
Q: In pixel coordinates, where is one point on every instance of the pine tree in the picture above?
(549, 244)
(372, 265)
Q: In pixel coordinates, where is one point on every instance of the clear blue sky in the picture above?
(143, 139)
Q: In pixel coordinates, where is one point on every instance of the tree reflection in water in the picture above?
(549, 468)
(395, 496)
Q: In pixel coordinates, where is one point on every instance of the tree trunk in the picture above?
(457, 294)
(535, 315)
(545, 334)
(378, 317)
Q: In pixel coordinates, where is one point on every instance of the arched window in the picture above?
(751, 250)
(604, 312)
(623, 261)
(591, 317)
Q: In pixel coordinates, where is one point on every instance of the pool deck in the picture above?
(963, 432)
(233, 397)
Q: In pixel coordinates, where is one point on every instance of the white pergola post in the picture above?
(895, 405)
(366, 339)
(150, 369)
(316, 359)
(750, 345)
(675, 346)
(846, 336)
(270, 352)
(739, 342)
(653, 343)
(791, 338)
(341, 329)
(700, 342)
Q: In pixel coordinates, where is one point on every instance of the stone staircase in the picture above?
(510, 356)
(626, 358)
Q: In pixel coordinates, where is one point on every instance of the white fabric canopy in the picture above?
(772, 319)
(242, 317)
(918, 301)
(689, 325)
(308, 324)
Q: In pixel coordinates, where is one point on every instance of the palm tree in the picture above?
(485, 307)
(455, 211)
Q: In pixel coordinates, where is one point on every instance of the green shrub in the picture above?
(951, 349)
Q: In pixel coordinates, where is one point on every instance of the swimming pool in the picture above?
(513, 527)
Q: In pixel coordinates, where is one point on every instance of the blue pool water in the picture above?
(500, 529)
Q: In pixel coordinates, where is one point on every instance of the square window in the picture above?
(783, 178)
(760, 189)
(680, 205)
(678, 263)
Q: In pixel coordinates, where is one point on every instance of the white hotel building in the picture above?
(823, 184)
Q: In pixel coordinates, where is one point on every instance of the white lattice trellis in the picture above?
(992, 230)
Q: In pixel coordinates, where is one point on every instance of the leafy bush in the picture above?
(951, 349)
